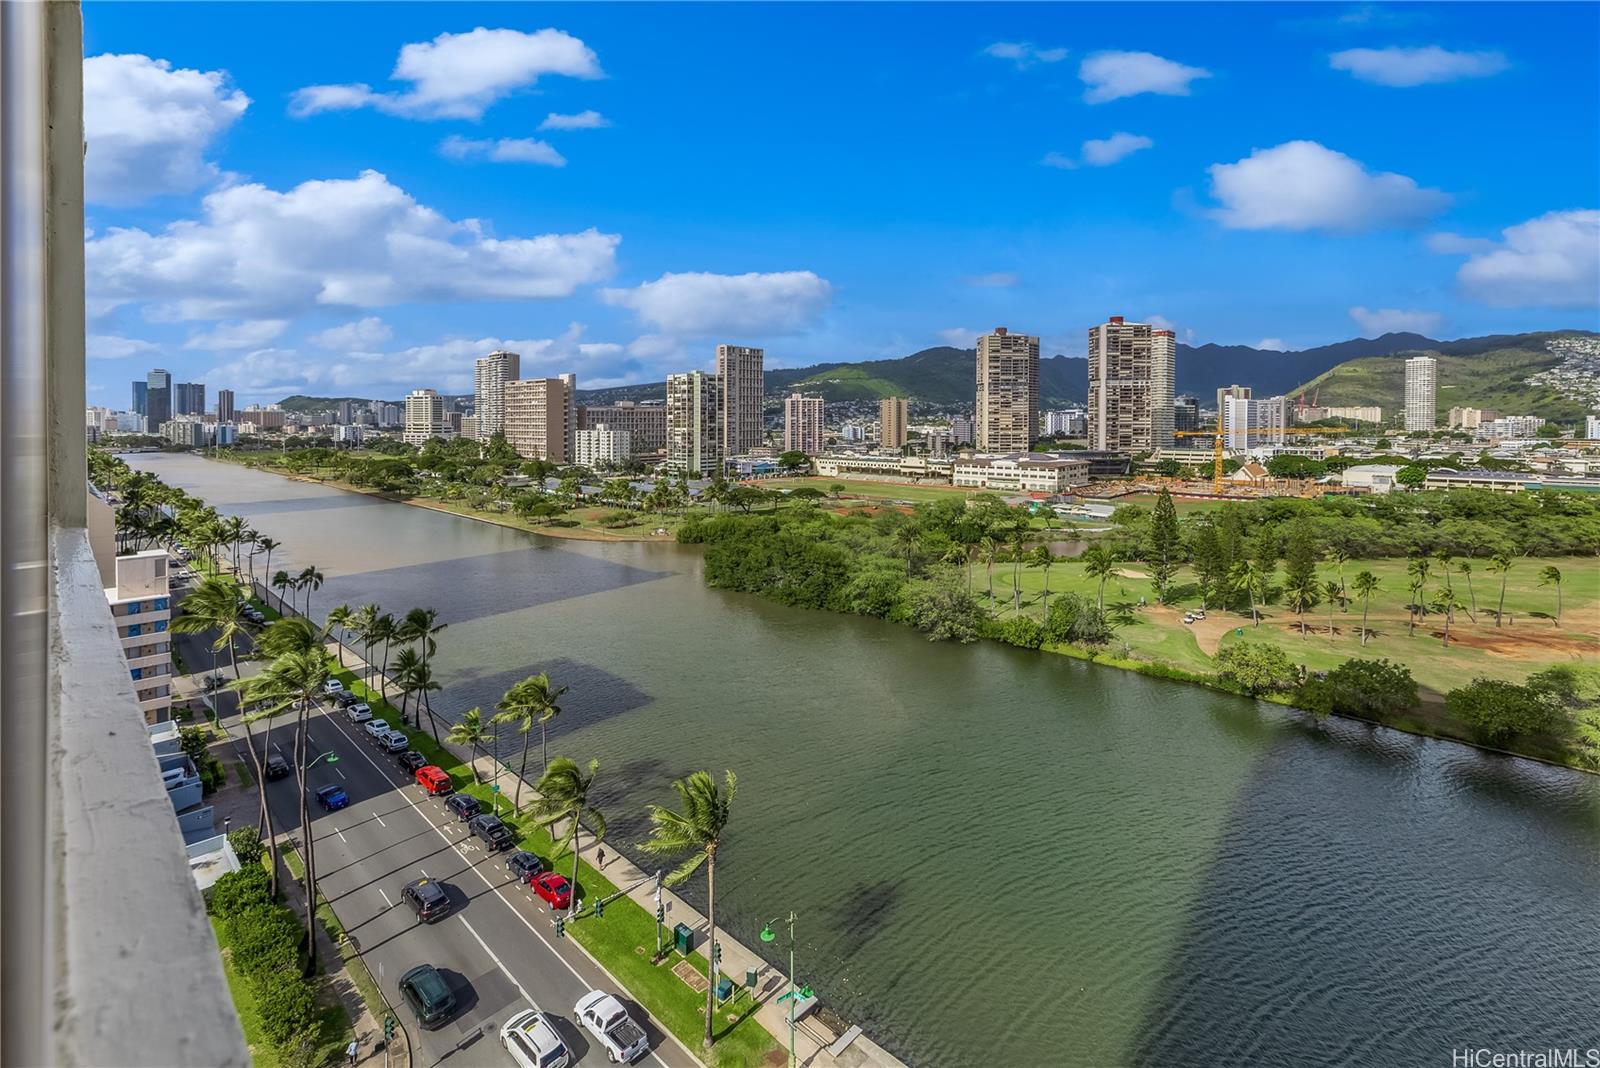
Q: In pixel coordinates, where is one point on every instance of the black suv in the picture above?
(495, 834)
(465, 806)
(428, 995)
(277, 767)
(411, 760)
(344, 698)
(427, 899)
(524, 865)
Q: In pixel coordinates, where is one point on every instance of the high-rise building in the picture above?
(425, 418)
(1222, 400)
(694, 423)
(645, 424)
(601, 446)
(224, 405)
(489, 391)
(1268, 419)
(141, 607)
(802, 424)
(188, 398)
(157, 400)
(743, 386)
(963, 430)
(1186, 412)
(1422, 392)
(1131, 372)
(1066, 422)
(1233, 421)
(892, 423)
(140, 390)
(538, 419)
(1008, 392)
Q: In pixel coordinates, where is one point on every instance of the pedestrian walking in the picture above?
(353, 1050)
(600, 856)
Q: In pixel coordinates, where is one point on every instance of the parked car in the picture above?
(603, 1016)
(553, 889)
(531, 1041)
(432, 778)
(427, 899)
(410, 760)
(358, 713)
(1199, 613)
(395, 741)
(332, 686)
(344, 698)
(376, 728)
(465, 806)
(332, 798)
(429, 996)
(524, 865)
(1188, 617)
(495, 835)
(277, 767)
(253, 615)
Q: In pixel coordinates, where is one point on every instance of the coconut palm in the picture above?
(1303, 593)
(1099, 564)
(1246, 576)
(905, 539)
(531, 701)
(564, 795)
(420, 679)
(1501, 562)
(309, 579)
(1334, 590)
(281, 581)
(1445, 601)
(361, 627)
(1464, 569)
(1018, 537)
(1365, 585)
(291, 634)
(267, 545)
(383, 630)
(1419, 570)
(1413, 596)
(1551, 576)
(1041, 557)
(252, 538)
(988, 547)
(406, 662)
(1340, 556)
(697, 830)
(339, 619)
(422, 625)
(470, 731)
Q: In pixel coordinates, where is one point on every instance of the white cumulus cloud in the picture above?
(583, 120)
(699, 303)
(249, 334)
(959, 337)
(360, 334)
(1302, 185)
(1271, 344)
(1403, 68)
(359, 243)
(503, 150)
(1375, 321)
(147, 127)
(115, 347)
(1113, 75)
(1024, 54)
(460, 75)
(1551, 261)
(1458, 245)
(1104, 152)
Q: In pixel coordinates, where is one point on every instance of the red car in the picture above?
(553, 888)
(432, 778)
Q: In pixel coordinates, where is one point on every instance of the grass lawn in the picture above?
(624, 938)
(336, 1030)
(869, 491)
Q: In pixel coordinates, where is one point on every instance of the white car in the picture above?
(394, 741)
(332, 686)
(604, 1017)
(359, 712)
(532, 1042)
(376, 728)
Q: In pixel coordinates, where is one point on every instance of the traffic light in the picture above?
(599, 907)
(716, 953)
(388, 1028)
(661, 913)
(561, 927)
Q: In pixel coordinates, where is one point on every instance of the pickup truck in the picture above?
(604, 1017)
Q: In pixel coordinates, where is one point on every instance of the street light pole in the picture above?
(767, 935)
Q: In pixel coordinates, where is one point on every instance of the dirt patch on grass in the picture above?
(1521, 643)
(1128, 573)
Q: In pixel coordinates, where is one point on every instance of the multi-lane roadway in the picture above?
(497, 949)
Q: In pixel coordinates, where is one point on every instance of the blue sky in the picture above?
(361, 198)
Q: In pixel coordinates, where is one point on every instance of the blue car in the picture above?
(332, 798)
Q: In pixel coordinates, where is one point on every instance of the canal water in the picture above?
(1000, 857)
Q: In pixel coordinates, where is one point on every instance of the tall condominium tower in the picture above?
(425, 418)
(742, 386)
(224, 405)
(1422, 392)
(540, 414)
(1240, 392)
(492, 372)
(892, 423)
(188, 398)
(802, 424)
(1131, 373)
(1008, 391)
(694, 423)
(140, 393)
(157, 400)
(645, 424)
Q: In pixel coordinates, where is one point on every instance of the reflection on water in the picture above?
(999, 857)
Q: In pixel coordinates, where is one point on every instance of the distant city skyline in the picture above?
(313, 225)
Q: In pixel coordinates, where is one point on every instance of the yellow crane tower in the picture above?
(1216, 478)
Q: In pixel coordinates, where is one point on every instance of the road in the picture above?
(497, 949)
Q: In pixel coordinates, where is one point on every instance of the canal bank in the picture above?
(999, 857)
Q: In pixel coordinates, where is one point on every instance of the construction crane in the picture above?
(1216, 478)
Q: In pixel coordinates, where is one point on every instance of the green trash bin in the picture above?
(682, 939)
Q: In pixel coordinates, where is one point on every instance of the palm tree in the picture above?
(267, 545)
(1445, 601)
(310, 579)
(470, 731)
(564, 795)
(988, 547)
(1502, 562)
(1019, 538)
(1303, 593)
(696, 830)
(406, 661)
(383, 630)
(531, 701)
(1335, 593)
(232, 534)
(252, 538)
(281, 582)
(1419, 569)
(1340, 556)
(1098, 563)
(339, 619)
(1465, 569)
(361, 627)
(421, 681)
(1551, 576)
(905, 539)
(1366, 584)
(1042, 557)
(1247, 576)
(1413, 595)
(422, 624)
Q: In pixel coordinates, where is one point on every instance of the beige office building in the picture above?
(540, 413)
(1422, 393)
(802, 424)
(425, 418)
(489, 391)
(1131, 372)
(743, 385)
(645, 424)
(892, 423)
(1008, 391)
(694, 423)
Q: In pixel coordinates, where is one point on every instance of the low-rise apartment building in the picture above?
(141, 605)
(1021, 472)
(646, 424)
(882, 466)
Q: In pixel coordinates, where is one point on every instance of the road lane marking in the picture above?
(379, 819)
(497, 963)
(385, 897)
(496, 891)
(342, 838)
